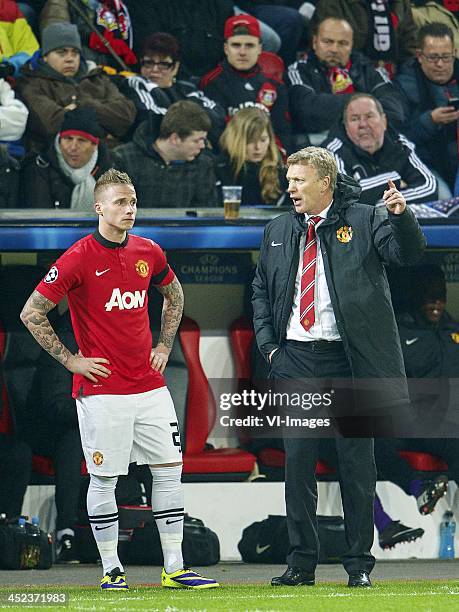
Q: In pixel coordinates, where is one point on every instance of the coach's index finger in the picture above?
(391, 184)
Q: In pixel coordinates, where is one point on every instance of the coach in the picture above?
(322, 309)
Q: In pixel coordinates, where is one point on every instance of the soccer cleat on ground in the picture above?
(396, 533)
(116, 579)
(432, 491)
(186, 579)
(66, 553)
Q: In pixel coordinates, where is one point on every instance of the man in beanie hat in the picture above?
(239, 81)
(64, 174)
(60, 81)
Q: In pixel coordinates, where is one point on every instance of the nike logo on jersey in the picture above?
(168, 522)
(276, 243)
(101, 272)
(126, 300)
(100, 528)
(261, 549)
(412, 341)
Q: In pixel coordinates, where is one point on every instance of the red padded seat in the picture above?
(221, 460)
(424, 462)
(274, 457)
(242, 336)
(235, 463)
(272, 65)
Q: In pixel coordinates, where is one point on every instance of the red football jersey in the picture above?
(107, 284)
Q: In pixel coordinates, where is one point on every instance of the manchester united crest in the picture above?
(98, 458)
(142, 269)
(455, 337)
(344, 234)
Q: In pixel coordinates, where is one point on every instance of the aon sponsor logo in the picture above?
(126, 300)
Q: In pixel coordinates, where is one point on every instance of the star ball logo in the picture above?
(52, 275)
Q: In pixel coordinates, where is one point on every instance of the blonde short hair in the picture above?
(319, 158)
(111, 177)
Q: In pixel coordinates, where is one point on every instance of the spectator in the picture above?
(320, 85)
(100, 23)
(53, 432)
(428, 82)
(60, 81)
(251, 158)
(286, 22)
(370, 22)
(238, 81)
(13, 119)
(372, 155)
(64, 174)
(15, 470)
(433, 11)
(17, 41)
(198, 25)
(157, 87)
(164, 160)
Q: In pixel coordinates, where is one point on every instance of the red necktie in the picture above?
(307, 314)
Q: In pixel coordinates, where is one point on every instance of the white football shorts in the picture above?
(120, 429)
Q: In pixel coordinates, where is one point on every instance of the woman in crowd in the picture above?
(251, 158)
(157, 86)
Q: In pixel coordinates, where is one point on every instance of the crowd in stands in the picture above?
(189, 95)
(299, 62)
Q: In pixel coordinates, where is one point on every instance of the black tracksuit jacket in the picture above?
(313, 106)
(235, 89)
(395, 160)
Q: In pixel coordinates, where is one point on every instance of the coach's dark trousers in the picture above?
(356, 466)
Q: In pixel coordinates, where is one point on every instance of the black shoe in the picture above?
(66, 550)
(396, 532)
(294, 576)
(359, 579)
(432, 491)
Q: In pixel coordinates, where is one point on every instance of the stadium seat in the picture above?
(272, 65)
(201, 463)
(424, 462)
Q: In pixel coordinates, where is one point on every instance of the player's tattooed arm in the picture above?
(172, 313)
(34, 315)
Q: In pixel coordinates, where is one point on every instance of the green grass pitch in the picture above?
(387, 596)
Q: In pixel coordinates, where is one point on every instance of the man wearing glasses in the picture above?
(158, 86)
(430, 84)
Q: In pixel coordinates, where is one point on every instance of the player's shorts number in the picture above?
(176, 435)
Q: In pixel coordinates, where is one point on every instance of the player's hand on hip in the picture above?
(89, 367)
(394, 200)
(159, 359)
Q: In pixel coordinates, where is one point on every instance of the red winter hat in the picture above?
(245, 22)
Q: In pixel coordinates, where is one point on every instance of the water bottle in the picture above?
(447, 532)
(22, 524)
(35, 525)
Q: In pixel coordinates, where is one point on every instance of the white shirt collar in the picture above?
(323, 214)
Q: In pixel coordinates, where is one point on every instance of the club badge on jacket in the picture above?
(344, 234)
